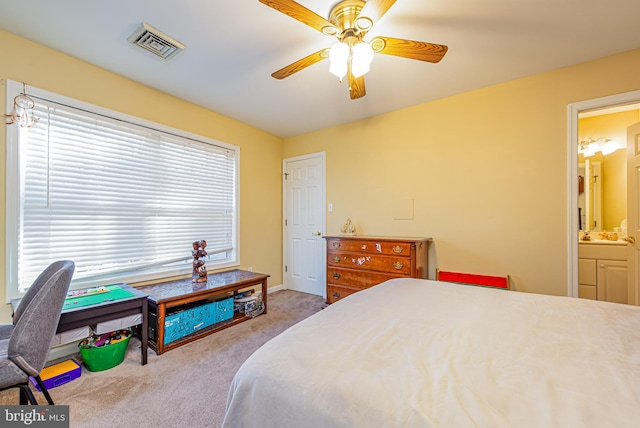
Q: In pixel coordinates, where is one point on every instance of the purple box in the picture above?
(58, 374)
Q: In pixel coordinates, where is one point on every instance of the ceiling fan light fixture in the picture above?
(364, 23)
(350, 21)
(339, 58)
(329, 31)
(361, 59)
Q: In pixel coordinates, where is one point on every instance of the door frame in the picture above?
(323, 218)
(573, 110)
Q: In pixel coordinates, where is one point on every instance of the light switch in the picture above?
(330, 208)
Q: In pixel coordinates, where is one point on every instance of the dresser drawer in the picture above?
(370, 246)
(356, 278)
(379, 263)
(335, 293)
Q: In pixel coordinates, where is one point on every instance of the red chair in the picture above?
(501, 282)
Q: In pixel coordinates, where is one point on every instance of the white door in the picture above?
(633, 212)
(304, 220)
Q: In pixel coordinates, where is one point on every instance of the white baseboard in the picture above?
(276, 288)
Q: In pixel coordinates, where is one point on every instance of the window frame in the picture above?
(12, 192)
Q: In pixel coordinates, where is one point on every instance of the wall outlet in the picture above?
(250, 269)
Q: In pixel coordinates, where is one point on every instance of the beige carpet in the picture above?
(184, 387)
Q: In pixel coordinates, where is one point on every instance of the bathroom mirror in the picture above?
(602, 193)
(590, 180)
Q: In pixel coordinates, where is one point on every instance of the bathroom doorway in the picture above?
(597, 109)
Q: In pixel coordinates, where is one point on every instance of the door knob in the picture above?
(630, 239)
(318, 233)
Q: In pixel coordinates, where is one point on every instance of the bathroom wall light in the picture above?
(591, 146)
(22, 112)
(610, 146)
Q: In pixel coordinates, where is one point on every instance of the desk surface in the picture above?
(113, 292)
(217, 281)
(102, 300)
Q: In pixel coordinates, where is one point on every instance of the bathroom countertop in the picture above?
(603, 242)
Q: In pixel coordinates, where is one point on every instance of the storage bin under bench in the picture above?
(194, 318)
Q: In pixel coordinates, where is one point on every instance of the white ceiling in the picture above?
(233, 46)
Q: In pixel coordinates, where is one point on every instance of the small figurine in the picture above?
(348, 228)
(199, 270)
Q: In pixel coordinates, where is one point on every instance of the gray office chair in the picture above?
(24, 354)
(41, 280)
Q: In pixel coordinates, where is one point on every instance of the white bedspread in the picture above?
(420, 353)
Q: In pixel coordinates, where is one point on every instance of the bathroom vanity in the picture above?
(602, 270)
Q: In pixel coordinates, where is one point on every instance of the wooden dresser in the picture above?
(358, 262)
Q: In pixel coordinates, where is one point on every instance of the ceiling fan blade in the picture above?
(301, 64)
(356, 86)
(302, 14)
(422, 51)
(375, 9)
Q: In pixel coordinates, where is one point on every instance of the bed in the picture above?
(421, 353)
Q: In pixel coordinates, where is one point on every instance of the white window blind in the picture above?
(119, 199)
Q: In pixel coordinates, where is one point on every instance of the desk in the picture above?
(174, 295)
(110, 310)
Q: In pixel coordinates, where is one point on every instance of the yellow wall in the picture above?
(487, 171)
(260, 152)
(614, 166)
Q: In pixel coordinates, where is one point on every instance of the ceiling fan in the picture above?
(349, 21)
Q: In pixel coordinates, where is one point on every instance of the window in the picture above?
(121, 197)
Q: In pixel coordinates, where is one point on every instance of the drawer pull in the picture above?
(397, 249)
(336, 275)
(335, 244)
(398, 265)
(336, 295)
(336, 259)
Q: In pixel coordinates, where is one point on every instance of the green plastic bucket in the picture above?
(98, 358)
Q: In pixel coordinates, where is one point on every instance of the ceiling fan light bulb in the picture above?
(362, 57)
(338, 70)
(339, 52)
(338, 57)
(359, 69)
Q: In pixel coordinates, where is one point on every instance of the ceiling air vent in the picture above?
(155, 41)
